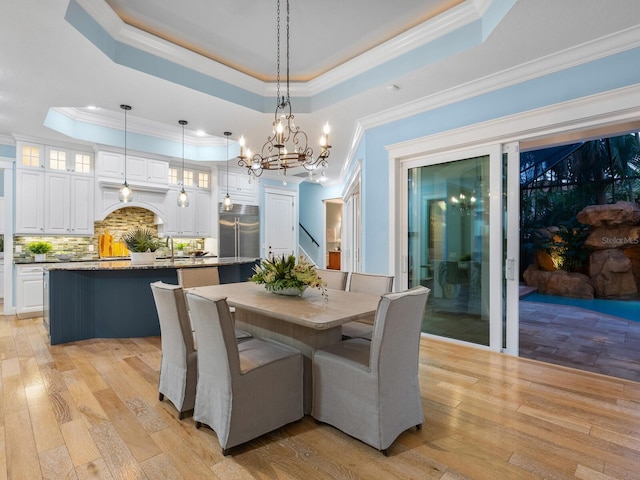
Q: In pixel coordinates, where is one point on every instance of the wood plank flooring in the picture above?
(90, 410)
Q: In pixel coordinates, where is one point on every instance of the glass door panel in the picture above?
(449, 246)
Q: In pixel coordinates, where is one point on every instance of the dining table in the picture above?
(306, 322)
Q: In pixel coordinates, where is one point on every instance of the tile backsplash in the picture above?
(117, 223)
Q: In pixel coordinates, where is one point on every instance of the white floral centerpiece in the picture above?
(287, 277)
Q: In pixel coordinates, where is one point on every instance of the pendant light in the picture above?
(227, 202)
(183, 199)
(125, 194)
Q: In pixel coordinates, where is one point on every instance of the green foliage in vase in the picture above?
(39, 247)
(141, 239)
(284, 272)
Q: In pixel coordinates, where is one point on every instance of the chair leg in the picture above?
(419, 427)
(385, 451)
(225, 451)
(182, 415)
(198, 424)
(160, 396)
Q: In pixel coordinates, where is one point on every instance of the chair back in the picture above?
(217, 347)
(370, 283)
(395, 343)
(336, 279)
(175, 328)
(198, 276)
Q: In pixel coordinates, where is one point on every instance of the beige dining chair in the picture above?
(178, 368)
(336, 279)
(244, 389)
(201, 277)
(373, 285)
(369, 389)
(198, 276)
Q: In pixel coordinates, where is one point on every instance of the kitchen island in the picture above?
(112, 299)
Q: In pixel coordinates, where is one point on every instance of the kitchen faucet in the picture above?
(170, 239)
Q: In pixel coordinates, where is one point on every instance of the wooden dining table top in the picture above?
(311, 310)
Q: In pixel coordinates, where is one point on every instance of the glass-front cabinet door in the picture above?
(454, 242)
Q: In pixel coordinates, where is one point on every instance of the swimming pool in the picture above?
(627, 309)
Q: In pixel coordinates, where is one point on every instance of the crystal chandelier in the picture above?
(287, 146)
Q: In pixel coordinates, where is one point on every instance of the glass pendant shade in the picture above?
(227, 202)
(183, 198)
(125, 194)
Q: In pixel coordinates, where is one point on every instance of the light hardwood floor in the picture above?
(90, 410)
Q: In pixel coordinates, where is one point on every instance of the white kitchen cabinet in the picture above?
(203, 213)
(242, 188)
(110, 165)
(179, 221)
(191, 221)
(139, 169)
(57, 192)
(55, 197)
(82, 193)
(29, 201)
(157, 171)
(29, 290)
(68, 204)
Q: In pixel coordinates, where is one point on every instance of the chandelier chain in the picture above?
(287, 147)
(288, 98)
(278, 57)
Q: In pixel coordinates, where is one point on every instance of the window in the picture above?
(187, 178)
(203, 180)
(57, 159)
(173, 176)
(30, 156)
(83, 163)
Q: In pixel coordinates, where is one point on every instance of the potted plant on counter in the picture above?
(40, 250)
(181, 246)
(142, 245)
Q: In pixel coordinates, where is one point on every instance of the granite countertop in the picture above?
(178, 262)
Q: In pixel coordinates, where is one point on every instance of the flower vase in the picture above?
(143, 258)
(291, 291)
(40, 257)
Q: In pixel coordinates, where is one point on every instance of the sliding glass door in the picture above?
(454, 243)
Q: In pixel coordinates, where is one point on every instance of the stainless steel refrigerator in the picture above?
(239, 231)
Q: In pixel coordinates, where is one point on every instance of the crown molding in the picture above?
(80, 145)
(619, 106)
(578, 55)
(459, 16)
(149, 128)
(102, 14)
(447, 22)
(7, 140)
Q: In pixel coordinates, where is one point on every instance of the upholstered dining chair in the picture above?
(244, 389)
(179, 367)
(369, 389)
(201, 277)
(336, 279)
(371, 284)
(198, 276)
